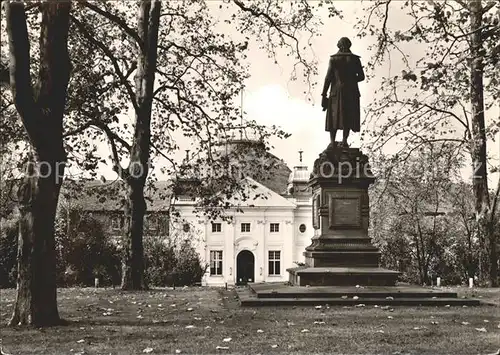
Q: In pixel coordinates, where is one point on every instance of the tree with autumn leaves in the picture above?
(186, 78)
(447, 94)
(191, 86)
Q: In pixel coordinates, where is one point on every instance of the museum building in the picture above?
(266, 234)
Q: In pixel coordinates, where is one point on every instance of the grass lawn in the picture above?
(198, 320)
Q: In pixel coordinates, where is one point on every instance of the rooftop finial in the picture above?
(300, 155)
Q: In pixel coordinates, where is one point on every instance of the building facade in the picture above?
(257, 243)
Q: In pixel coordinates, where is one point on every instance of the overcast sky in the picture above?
(272, 98)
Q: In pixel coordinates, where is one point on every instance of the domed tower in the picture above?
(298, 180)
(249, 156)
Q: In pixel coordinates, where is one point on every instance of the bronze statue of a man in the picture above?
(342, 107)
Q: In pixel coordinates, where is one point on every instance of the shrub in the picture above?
(159, 260)
(86, 253)
(168, 265)
(8, 253)
(188, 269)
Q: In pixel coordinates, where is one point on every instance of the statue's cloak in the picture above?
(344, 73)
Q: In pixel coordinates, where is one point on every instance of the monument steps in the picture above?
(350, 294)
(258, 302)
(257, 295)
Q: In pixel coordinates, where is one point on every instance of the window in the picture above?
(116, 223)
(245, 227)
(216, 262)
(216, 227)
(152, 223)
(302, 228)
(275, 227)
(274, 262)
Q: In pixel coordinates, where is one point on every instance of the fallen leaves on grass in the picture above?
(221, 347)
(260, 331)
(319, 322)
(482, 330)
(227, 340)
(189, 326)
(304, 331)
(148, 350)
(274, 346)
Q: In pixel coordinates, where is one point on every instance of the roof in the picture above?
(99, 196)
(254, 161)
(260, 196)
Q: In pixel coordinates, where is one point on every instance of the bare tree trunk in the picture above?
(41, 115)
(133, 256)
(133, 251)
(478, 146)
(36, 301)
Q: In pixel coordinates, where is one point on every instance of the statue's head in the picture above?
(344, 44)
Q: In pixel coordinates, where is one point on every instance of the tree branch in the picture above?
(495, 202)
(112, 58)
(117, 20)
(20, 77)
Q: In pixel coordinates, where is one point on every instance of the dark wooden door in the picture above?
(245, 267)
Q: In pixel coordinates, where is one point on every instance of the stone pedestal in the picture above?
(341, 253)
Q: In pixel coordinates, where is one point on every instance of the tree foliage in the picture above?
(187, 74)
(445, 95)
(418, 219)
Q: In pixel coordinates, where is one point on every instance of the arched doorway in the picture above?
(245, 267)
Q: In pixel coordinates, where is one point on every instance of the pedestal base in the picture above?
(342, 276)
(341, 252)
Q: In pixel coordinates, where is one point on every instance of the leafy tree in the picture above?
(409, 216)
(192, 72)
(447, 95)
(40, 108)
(466, 245)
